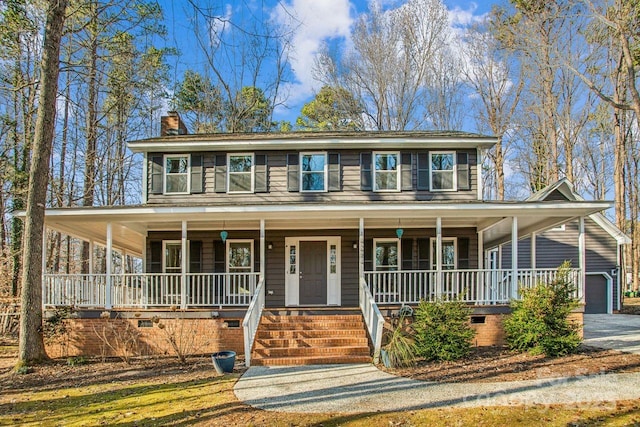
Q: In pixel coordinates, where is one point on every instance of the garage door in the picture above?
(596, 294)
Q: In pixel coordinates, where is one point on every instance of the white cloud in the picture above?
(312, 22)
(459, 17)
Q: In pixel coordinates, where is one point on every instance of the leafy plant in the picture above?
(442, 330)
(539, 322)
(76, 361)
(400, 346)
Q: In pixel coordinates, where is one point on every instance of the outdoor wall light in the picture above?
(355, 245)
(270, 245)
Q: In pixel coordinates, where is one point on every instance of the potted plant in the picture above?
(224, 361)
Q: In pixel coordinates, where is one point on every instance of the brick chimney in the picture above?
(171, 124)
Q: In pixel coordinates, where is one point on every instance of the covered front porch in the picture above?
(307, 255)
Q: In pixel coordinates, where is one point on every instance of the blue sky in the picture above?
(321, 20)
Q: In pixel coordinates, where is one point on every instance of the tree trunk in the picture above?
(31, 348)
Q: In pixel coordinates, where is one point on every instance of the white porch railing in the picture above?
(372, 318)
(480, 287)
(252, 321)
(150, 290)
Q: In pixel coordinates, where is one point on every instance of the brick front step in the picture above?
(310, 334)
(317, 360)
(312, 342)
(309, 339)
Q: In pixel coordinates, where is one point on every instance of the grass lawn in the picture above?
(162, 392)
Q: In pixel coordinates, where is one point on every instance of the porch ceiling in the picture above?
(131, 224)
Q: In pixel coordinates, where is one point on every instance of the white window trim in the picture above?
(325, 171)
(398, 167)
(387, 240)
(228, 244)
(432, 255)
(454, 171)
(164, 255)
(253, 164)
(164, 173)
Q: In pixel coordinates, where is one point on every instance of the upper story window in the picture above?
(313, 172)
(240, 170)
(386, 172)
(176, 170)
(443, 175)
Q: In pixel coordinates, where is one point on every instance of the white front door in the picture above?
(320, 283)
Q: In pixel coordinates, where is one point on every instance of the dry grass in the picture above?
(162, 392)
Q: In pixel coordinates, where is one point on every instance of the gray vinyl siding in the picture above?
(277, 184)
(553, 247)
(275, 258)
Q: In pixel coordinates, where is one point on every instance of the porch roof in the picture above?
(131, 223)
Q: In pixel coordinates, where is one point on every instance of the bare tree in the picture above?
(388, 68)
(496, 78)
(31, 348)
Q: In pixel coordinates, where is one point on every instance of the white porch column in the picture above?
(581, 259)
(481, 275)
(533, 251)
(263, 254)
(144, 254)
(438, 257)
(109, 261)
(183, 265)
(91, 249)
(514, 257)
(361, 249)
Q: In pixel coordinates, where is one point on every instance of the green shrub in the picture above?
(442, 330)
(400, 345)
(539, 322)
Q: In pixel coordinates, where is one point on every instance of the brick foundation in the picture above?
(143, 337)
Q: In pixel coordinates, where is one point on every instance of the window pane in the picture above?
(387, 256)
(386, 181)
(442, 180)
(448, 256)
(386, 162)
(239, 163)
(176, 183)
(240, 182)
(313, 181)
(313, 162)
(177, 165)
(442, 162)
(172, 259)
(240, 256)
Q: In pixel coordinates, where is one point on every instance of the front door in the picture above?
(313, 272)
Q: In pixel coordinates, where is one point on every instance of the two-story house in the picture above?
(240, 233)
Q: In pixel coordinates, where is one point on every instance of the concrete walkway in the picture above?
(364, 388)
(614, 331)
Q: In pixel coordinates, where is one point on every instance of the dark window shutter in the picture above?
(368, 255)
(156, 174)
(195, 256)
(155, 262)
(335, 180)
(219, 258)
(463, 252)
(462, 164)
(407, 254)
(293, 178)
(423, 171)
(423, 254)
(221, 174)
(365, 172)
(197, 173)
(406, 173)
(261, 176)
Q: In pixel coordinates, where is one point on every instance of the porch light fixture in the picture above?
(399, 231)
(270, 245)
(355, 245)
(223, 233)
